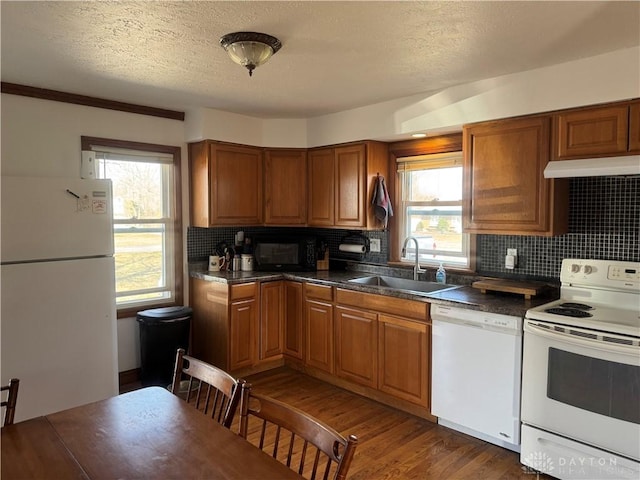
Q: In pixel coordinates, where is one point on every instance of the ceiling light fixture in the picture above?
(250, 49)
(419, 135)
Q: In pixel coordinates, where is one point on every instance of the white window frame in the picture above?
(428, 162)
(170, 221)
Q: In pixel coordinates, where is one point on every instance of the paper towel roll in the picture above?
(352, 248)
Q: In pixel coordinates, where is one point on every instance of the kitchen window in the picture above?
(430, 193)
(146, 220)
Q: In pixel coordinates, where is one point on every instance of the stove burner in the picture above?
(569, 312)
(578, 306)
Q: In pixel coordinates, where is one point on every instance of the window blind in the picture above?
(425, 162)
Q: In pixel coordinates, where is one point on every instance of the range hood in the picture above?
(591, 167)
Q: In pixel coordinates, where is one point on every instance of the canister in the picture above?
(247, 262)
(236, 263)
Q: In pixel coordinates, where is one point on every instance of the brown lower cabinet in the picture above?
(374, 345)
(388, 353)
(293, 320)
(404, 358)
(242, 333)
(239, 328)
(318, 316)
(357, 345)
(271, 320)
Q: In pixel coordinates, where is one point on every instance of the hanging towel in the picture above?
(381, 201)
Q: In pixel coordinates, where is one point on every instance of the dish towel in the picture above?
(381, 202)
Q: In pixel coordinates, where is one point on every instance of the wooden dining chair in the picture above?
(11, 401)
(319, 452)
(208, 388)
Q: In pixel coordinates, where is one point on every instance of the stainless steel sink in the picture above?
(404, 284)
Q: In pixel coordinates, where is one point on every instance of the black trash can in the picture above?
(162, 332)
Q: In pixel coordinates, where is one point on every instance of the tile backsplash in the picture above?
(604, 223)
(201, 242)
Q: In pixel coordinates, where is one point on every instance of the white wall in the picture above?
(600, 79)
(207, 123)
(42, 138)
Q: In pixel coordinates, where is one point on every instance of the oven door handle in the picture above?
(604, 346)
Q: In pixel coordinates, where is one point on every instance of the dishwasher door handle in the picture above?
(457, 321)
(465, 323)
(474, 325)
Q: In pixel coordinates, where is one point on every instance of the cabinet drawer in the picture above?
(323, 292)
(242, 290)
(382, 303)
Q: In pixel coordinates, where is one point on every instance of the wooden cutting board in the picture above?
(528, 289)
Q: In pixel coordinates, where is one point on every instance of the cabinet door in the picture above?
(319, 332)
(590, 132)
(209, 322)
(321, 189)
(236, 185)
(634, 127)
(243, 316)
(271, 319)
(350, 186)
(285, 187)
(293, 314)
(404, 359)
(357, 346)
(504, 189)
(199, 179)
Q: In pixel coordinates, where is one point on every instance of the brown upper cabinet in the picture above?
(285, 187)
(504, 189)
(327, 187)
(320, 195)
(596, 131)
(341, 181)
(634, 127)
(226, 184)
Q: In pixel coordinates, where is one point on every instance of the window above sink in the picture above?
(430, 209)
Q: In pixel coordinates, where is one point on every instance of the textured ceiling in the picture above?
(335, 55)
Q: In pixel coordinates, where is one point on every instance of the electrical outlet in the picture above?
(511, 260)
(374, 244)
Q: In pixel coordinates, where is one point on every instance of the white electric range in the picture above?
(581, 375)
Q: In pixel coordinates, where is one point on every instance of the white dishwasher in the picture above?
(476, 371)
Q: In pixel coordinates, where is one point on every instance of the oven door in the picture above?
(581, 387)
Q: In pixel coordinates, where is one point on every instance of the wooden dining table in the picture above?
(147, 433)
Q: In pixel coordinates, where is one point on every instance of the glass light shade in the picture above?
(250, 49)
(249, 53)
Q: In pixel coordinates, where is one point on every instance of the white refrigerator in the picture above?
(57, 292)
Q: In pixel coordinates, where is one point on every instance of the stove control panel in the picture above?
(601, 273)
(621, 273)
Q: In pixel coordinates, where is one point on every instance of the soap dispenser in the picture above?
(441, 275)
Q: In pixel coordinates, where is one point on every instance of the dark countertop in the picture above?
(463, 297)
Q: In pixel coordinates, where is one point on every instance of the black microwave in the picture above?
(276, 254)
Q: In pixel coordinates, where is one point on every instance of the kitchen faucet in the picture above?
(416, 267)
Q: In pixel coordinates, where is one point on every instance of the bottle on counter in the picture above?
(441, 274)
(248, 247)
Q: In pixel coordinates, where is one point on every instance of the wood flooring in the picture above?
(392, 444)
